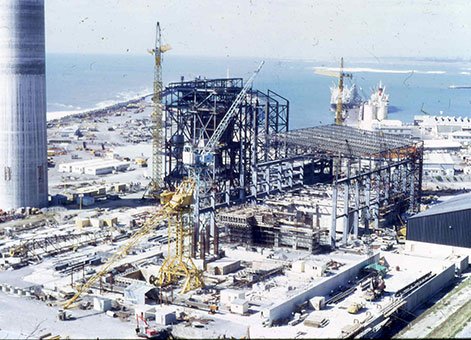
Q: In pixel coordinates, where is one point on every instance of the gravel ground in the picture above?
(36, 319)
(446, 318)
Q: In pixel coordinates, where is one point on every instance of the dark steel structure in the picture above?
(447, 223)
(374, 176)
(193, 110)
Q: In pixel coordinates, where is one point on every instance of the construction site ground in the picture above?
(38, 318)
(449, 317)
(25, 317)
(22, 318)
(122, 134)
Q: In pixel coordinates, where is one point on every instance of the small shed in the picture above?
(165, 317)
(141, 294)
(223, 266)
(101, 304)
(82, 222)
(229, 295)
(317, 302)
(240, 306)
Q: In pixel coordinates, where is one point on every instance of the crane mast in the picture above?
(157, 131)
(339, 118)
(339, 110)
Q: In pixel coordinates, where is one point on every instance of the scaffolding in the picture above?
(264, 226)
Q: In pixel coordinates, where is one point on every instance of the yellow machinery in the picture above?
(178, 262)
(19, 250)
(339, 117)
(354, 308)
(176, 209)
(157, 126)
(401, 231)
(401, 234)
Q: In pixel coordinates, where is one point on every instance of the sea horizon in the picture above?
(82, 82)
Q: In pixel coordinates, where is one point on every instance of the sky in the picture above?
(281, 29)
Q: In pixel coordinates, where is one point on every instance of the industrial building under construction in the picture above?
(370, 178)
(258, 230)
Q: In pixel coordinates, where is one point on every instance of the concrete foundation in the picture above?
(284, 309)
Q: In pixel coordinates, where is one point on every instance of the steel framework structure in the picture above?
(375, 176)
(193, 111)
(55, 244)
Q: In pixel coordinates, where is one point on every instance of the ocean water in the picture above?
(80, 82)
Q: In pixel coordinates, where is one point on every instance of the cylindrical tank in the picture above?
(23, 138)
(382, 112)
(368, 116)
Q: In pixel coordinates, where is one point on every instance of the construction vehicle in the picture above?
(213, 309)
(143, 330)
(355, 307)
(401, 231)
(18, 251)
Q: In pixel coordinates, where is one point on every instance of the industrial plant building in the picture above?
(447, 223)
(258, 225)
(371, 176)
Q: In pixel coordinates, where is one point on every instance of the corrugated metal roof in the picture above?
(460, 202)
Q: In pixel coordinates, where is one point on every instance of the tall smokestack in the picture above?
(23, 137)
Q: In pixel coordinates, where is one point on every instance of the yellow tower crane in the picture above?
(156, 184)
(339, 116)
(176, 206)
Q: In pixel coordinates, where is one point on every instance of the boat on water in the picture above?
(351, 98)
(359, 112)
(459, 87)
(379, 103)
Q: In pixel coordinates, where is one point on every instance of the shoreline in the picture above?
(55, 116)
